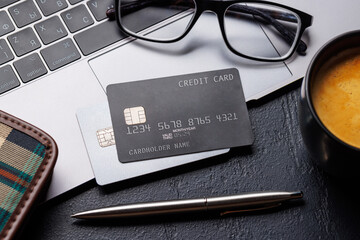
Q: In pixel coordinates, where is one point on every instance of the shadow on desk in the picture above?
(276, 94)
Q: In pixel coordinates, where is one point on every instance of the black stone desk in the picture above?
(277, 161)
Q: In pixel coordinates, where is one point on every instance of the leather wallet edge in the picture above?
(42, 176)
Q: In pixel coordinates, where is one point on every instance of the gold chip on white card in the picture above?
(134, 115)
(106, 137)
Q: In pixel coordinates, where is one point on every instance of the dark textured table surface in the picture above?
(276, 161)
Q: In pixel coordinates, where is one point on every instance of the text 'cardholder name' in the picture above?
(179, 115)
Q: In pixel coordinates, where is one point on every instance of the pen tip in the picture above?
(298, 194)
(83, 215)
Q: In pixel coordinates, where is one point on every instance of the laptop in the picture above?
(59, 56)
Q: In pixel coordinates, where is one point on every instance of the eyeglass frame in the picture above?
(219, 8)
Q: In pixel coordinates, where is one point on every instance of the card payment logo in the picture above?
(134, 115)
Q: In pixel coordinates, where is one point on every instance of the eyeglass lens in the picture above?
(136, 15)
(261, 30)
(257, 30)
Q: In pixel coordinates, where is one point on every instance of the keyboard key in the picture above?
(24, 41)
(60, 54)
(98, 37)
(99, 7)
(30, 67)
(6, 25)
(72, 2)
(4, 3)
(77, 18)
(49, 7)
(5, 52)
(8, 79)
(24, 13)
(51, 30)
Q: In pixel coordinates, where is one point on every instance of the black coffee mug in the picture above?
(332, 154)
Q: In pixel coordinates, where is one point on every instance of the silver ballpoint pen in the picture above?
(224, 204)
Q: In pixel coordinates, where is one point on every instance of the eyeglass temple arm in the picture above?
(268, 15)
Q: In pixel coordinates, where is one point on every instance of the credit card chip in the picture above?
(134, 115)
(105, 137)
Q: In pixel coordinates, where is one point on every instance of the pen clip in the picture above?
(263, 207)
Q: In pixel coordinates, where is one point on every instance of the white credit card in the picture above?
(96, 128)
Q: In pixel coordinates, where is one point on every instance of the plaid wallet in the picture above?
(27, 159)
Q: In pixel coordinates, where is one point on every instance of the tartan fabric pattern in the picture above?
(20, 157)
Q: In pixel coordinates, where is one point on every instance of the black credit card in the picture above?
(179, 115)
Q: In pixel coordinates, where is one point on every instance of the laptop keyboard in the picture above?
(41, 36)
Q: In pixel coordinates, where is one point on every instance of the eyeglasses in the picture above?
(252, 29)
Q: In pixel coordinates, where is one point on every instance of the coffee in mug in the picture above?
(329, 109)
(335, 93)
